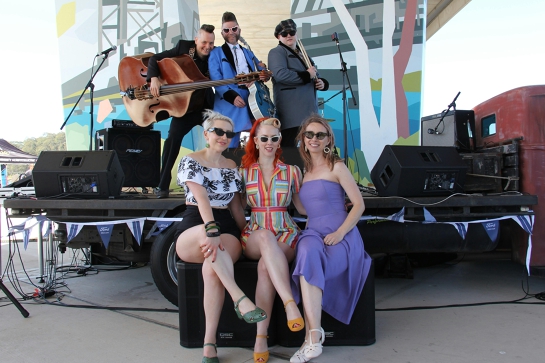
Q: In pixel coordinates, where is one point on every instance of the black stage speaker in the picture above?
(360, 331)
(232, 332)
(417, 171)
(456, 129)
(139, 152)
(81, 174)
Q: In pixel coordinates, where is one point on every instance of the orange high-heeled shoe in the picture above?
(261, 357)
(295, 324)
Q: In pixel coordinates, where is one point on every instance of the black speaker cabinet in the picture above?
(138, 151)
(232, 332)
(417, 171)
(81, 174)
(456, 129)
(360, 331)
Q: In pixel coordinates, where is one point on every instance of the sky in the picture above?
(489, 47)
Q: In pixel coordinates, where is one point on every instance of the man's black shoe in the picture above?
(161, 194)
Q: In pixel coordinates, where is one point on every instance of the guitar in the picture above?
(259, 100)
(182, 90)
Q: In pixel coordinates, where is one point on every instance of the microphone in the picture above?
(335, 37)
(431, 131)
(107, 51)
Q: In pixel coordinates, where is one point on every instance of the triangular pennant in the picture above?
(428, 218)
(72, 230)
(161, 226)
(136, 226)
(492, 228)
(105, 232)
(526, 222)
(26, 237)
(398, 217)
(461, 227)
(15, 229)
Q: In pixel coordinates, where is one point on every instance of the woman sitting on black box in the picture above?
(211, 225)
(331, 265)
(271, 234)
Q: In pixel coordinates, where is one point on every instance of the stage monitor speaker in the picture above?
(457, 129)
(413, 171)
(78, 174)
(139, 152)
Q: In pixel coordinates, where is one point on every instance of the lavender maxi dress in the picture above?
(339, 270)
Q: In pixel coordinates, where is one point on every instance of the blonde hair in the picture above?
(210, 116)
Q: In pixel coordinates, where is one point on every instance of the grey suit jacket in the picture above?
(294, 93)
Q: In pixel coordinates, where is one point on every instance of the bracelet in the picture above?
(213, 234)
(209, 228)
(212, 222)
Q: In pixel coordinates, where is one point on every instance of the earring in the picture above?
(207, 145)
(327, 150)
(306, 148)
(257, 147)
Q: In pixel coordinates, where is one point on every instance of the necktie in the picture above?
(236, 58)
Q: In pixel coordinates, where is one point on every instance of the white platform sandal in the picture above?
(313, 350)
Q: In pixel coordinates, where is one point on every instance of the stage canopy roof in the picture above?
(439, 12)
(9, 154)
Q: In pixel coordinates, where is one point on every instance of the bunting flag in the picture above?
(105, 232)
(160, 226)
(136, 226)
(527, 223)
(72, 230)
(492, 228)
(398, 217)
(428, 218)
(461, 227)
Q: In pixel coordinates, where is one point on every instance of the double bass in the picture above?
(182, 89)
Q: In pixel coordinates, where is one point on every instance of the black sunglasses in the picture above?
(319, 135)
(221, 132)
(233, 29)
(275, 138)
(285, 34)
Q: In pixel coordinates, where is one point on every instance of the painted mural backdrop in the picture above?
(381, 41)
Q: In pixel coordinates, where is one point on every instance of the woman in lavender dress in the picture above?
(331, 265)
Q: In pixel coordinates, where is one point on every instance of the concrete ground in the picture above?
(499, 331)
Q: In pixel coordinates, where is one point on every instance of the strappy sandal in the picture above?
(313, 350)
(299, 356)
(253, 316)
(261, 357)
(213, 359)
(294, 324)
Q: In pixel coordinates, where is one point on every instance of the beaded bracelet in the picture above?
(212, 222)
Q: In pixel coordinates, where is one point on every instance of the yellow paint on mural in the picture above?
(66, 17)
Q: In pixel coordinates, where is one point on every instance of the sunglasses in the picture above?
(233, 29)
(275, 138)
(285, 34)
(319, 135)
(221, 132)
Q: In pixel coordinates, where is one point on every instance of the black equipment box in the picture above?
(360, 331)
(413, 171)
(82, 174)
(232, 332)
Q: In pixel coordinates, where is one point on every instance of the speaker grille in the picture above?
(138, 151)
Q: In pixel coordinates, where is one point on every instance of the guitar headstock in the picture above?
(253, 76)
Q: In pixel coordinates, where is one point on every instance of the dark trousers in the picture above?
(288, 136)
(179, 127)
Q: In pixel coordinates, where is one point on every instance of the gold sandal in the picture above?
(261, 357)
(294, 324)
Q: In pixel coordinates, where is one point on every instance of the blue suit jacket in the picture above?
(221, 65)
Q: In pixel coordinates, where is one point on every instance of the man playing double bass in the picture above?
(198, 49)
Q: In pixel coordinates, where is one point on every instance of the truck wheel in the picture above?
(163, 260)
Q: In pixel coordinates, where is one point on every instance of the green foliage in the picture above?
(34, 146)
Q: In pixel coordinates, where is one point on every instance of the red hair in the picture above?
(252, 153)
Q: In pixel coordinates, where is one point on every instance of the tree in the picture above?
(34, 146)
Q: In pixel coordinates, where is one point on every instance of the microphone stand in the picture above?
(445, 112)
(346, 79)
(90, 86)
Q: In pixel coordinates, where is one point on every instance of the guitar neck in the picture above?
(177, 88)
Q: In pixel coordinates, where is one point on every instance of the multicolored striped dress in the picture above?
(269, 203)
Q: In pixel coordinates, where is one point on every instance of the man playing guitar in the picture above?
(198, 49)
